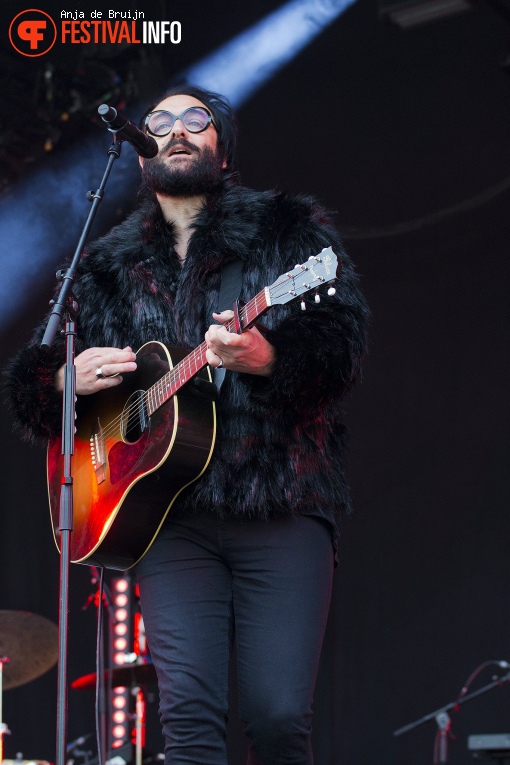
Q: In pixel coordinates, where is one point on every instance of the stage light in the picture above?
(415, 12)
(123, 630)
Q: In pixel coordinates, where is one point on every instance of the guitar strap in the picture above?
(230, 289)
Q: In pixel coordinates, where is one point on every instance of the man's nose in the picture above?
(178, 129)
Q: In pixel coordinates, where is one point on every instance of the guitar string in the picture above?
(248, 313)
(160, 389)
(172, 377)
(185, 364)
(173, 374)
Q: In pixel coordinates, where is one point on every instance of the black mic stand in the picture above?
(65, 304)
(443, 720)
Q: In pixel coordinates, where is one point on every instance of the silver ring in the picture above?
(220, 364)
(99, 374)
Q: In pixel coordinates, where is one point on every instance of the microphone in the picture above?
(143, 144)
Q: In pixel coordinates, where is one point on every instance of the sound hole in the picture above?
(135, 420)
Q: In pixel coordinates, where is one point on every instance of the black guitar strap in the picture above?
(230, 289)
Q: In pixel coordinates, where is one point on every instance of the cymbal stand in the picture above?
(3, 726)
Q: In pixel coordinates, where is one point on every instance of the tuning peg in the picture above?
(331, 291)
(303, 306)
(317, 298)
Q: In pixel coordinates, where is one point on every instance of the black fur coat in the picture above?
(280, 443)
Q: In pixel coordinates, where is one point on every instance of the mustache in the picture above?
(179, 142)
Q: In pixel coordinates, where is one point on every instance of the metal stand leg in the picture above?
(139, 724)
(441, 744)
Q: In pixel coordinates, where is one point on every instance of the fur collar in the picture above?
(229, 224)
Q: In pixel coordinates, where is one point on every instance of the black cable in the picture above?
(476, 672)
(427, 220)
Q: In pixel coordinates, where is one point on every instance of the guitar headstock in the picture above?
(305, 277)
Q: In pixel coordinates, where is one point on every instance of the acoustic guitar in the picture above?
(139, 444)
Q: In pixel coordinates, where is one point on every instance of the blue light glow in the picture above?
(245, 63)
(42, 217)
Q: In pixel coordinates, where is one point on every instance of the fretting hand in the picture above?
(248, 352)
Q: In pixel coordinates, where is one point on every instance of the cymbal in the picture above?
(129, 675)
(30, 642)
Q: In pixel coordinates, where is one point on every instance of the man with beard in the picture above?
(247, 551)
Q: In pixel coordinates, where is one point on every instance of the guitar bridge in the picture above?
(98, 453)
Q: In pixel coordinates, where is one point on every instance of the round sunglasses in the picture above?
(195, 119)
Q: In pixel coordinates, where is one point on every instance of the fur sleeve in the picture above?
(36, 404)
(319, 350)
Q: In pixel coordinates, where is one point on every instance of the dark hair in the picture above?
(222, 113)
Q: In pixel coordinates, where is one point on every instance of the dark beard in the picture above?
(202, 175)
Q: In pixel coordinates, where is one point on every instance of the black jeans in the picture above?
(270, 582)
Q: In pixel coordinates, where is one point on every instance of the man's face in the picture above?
(187, 163)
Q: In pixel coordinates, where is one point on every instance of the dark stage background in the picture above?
(384, 126)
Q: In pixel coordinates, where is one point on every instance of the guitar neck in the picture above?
(182, 373)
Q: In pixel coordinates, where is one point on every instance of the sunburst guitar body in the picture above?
(129, 463)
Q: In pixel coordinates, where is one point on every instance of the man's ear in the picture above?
(140, 161)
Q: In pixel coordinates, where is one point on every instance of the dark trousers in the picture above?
(270, 583)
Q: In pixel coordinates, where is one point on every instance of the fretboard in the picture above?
(182, 373)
